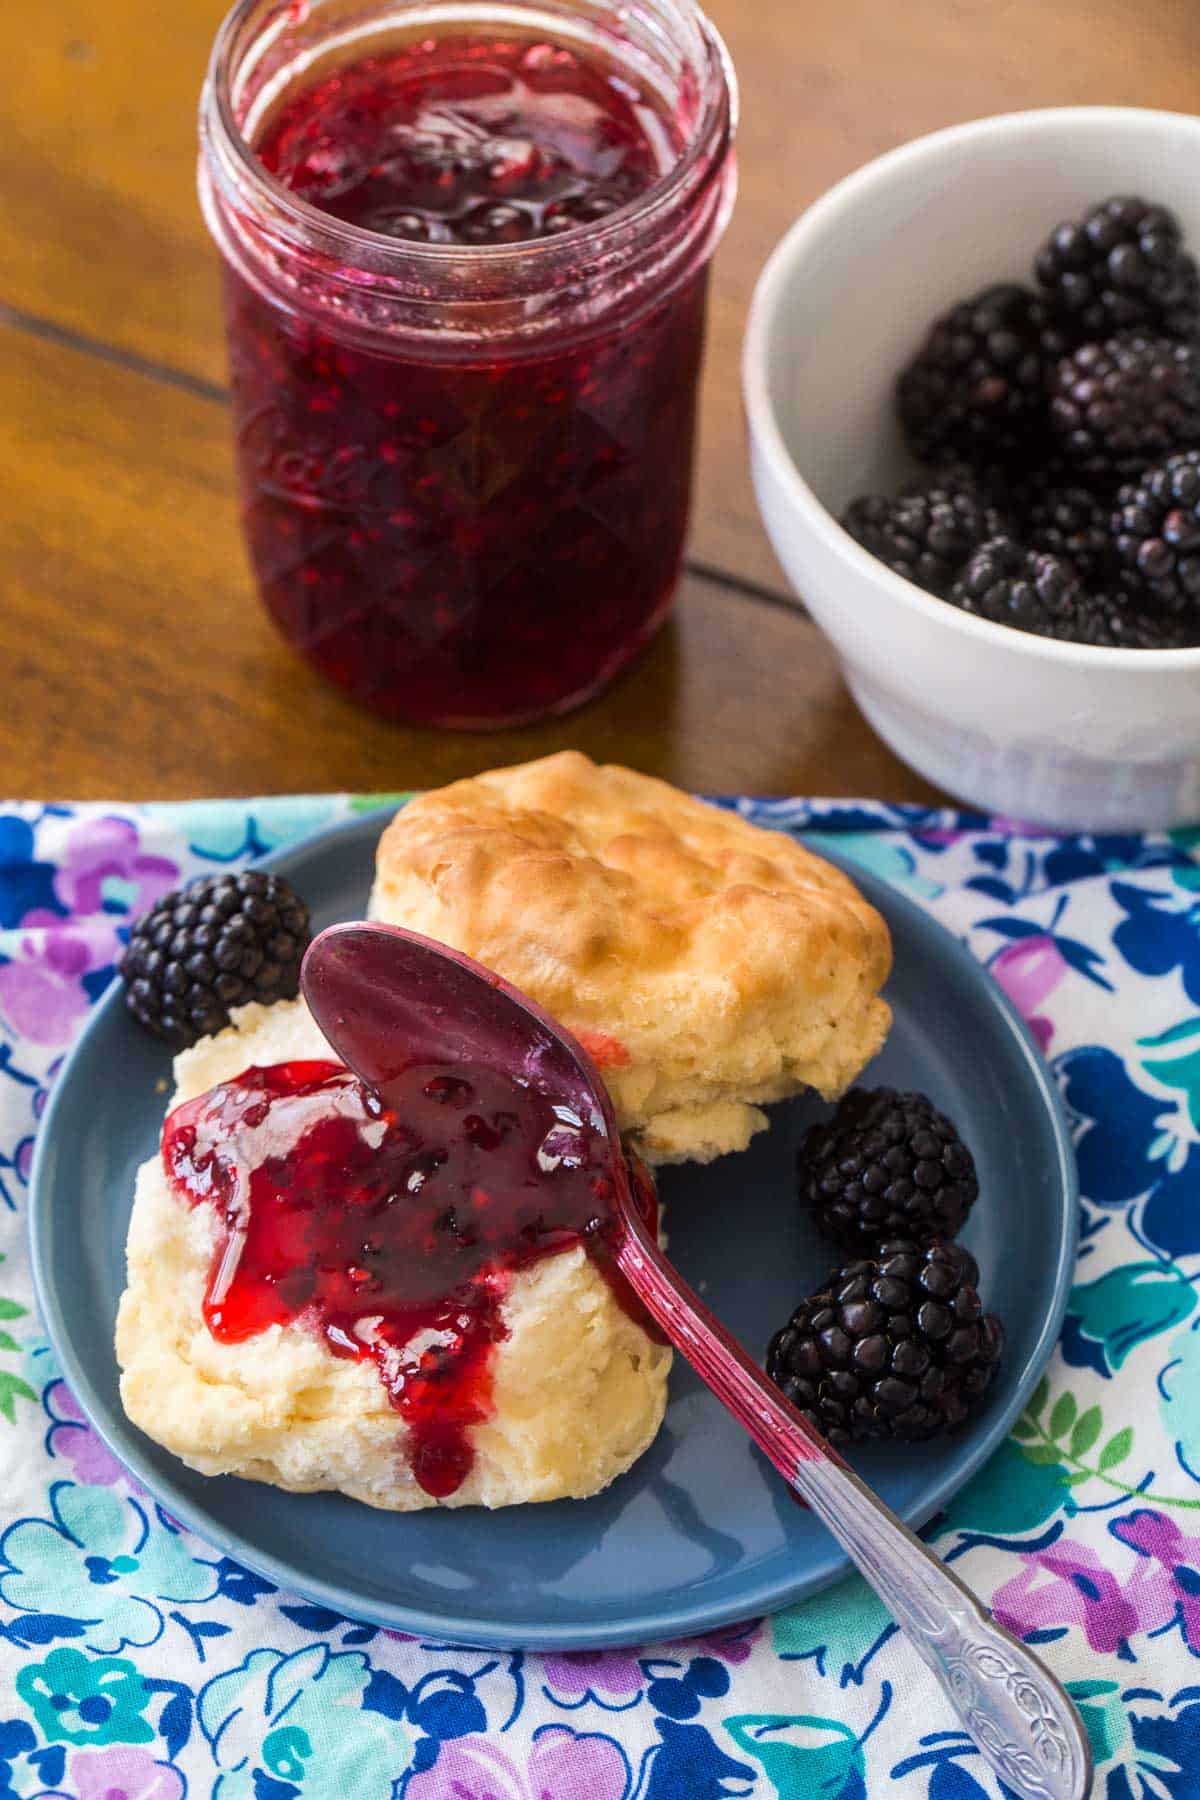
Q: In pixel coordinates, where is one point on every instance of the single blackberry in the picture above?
(975, 391)
(894, 1346)
(1156, 530)
(209, 947)
(1071, 523)
(1117, 406)
(887, 1165)
(928, 533)
(1029, 589)
(1122, 264)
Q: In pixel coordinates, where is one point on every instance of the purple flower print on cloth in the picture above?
(58, 966)
(575, 1674)
(1036, 960)
(71, 1437)
(123, 1772)
(1177, 1560)
(1029, 971)
(562, 1765)
(105, 869)
(45, 990)
(939, 837)
(567, 1766)
(1069, 1585)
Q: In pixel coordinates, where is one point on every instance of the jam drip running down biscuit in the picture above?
(392, 1226)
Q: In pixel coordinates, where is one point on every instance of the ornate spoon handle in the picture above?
(1020, 1717)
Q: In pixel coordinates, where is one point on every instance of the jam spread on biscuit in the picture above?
(393, 1224)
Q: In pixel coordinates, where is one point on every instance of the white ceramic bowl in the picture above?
(1061, 734)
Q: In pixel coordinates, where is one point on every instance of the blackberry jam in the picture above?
(465, 277)
(393, 1223)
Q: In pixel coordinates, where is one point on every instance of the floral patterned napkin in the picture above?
(137, 1664)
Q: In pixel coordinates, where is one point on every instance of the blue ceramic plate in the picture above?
(701, 1531)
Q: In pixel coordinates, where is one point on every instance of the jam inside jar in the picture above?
(465, 276)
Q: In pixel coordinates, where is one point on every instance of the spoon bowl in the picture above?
(386, 997)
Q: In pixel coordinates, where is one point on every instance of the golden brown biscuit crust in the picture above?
(708, 965)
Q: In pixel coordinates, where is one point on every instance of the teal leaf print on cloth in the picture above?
(369, 803)
(1103, 1716)
(1128, 1305)
(222, 834)
(298, 1721)
(895, 863)
(136, 1660)
(1011, 1497)
(803, 1756)
(103, 1566)
(79, 1699)
(1179, 1399)
(838, 1630)
(1180, 1068)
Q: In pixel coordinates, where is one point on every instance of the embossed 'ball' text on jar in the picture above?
(465, 253)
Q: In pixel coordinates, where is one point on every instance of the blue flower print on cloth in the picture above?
(284, 1725)
(135, 1660)
(103, 1560)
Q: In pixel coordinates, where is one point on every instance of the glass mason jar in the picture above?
(465, 468)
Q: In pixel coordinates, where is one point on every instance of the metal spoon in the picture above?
(384, 997)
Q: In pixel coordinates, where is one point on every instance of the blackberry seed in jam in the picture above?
(465, 441)
(394, 1225)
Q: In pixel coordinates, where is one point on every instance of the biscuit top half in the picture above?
(700, 959)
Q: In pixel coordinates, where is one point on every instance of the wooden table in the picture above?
(136, 660)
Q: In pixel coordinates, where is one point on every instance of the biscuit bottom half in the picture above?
(578, 1388)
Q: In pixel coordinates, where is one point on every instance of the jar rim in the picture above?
(357, 245)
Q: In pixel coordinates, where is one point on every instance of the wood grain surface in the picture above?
(136, 660)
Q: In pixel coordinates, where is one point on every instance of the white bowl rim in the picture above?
(771, 289)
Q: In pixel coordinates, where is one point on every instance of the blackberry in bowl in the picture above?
(1118, 406)
(1087, 715)
(1028, 590)
(1072, 522)
(1156, 532)
(1123, 263)
(929, 531)
(976, 388)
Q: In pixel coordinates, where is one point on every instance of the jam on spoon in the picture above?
(393, 1223)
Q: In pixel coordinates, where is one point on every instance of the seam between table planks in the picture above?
(68, 339)
(65, 337)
